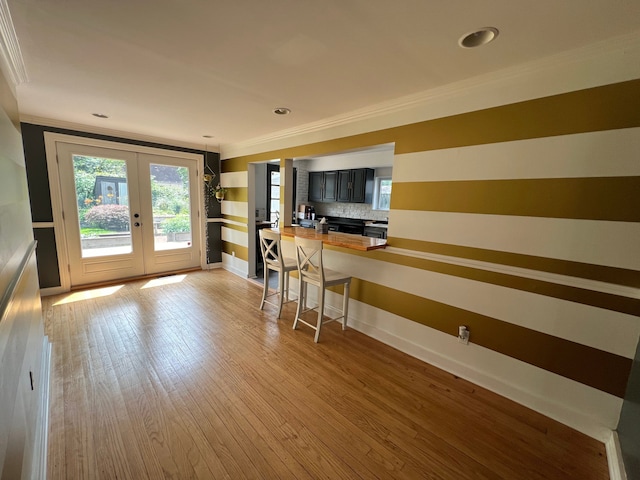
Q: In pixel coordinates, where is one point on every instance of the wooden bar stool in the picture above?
(311, 271)
(273, 260)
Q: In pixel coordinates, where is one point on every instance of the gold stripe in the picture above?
(599, 369)
(237, 194)
(231, 165)
(240, 251)
(240, 228)
(595, 198)
(233, 218)
(618, 276)
(608, 107)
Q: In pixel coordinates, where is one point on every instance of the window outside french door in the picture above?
(127, 214)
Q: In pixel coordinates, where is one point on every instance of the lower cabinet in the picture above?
(375, 232)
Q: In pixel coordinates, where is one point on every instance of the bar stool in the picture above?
(311, 271)
(273, 260)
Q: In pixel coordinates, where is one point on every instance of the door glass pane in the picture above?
(103, 205)
(171, 207)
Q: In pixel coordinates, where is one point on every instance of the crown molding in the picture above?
(49, 122)
(422, 99)
(12, 59)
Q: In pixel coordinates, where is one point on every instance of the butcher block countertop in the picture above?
(345, 240)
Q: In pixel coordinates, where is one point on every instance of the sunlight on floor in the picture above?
(89, 294)
(158, 282)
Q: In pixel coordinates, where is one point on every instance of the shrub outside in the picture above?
(108, 217)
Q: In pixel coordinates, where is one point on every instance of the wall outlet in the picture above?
(463, 334)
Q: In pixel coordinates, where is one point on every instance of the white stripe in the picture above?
(234, 236)
(607, 243)
(237, 209)
(234, 179)
(598, 154)
(233, 222)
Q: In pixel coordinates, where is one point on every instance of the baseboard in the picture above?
(47, 292)
(614, 457)
(39, 467)
(235, 271)
(212, 266)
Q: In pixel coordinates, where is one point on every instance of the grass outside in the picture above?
(96, 232)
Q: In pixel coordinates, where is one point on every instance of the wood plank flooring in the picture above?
(190, 380)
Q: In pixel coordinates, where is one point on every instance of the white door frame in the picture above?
(51, 139)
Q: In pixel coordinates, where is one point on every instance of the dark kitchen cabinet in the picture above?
(375, 232)
(330, 193)
(344, 186)
(315, 186)
(323, 186)
(355, 186)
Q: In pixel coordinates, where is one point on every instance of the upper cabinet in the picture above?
(323, 186)
(352, 186)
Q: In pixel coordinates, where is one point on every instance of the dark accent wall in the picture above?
(212, 164)
(40, 194)
(47, 258)
(214, 242)
(214, 229)
(629, 425)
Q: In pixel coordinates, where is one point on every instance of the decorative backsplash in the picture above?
(349, 210)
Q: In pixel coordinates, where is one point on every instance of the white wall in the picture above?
(23, 345)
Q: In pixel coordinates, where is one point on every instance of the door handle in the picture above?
(137, 224)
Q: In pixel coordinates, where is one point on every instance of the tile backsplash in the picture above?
(349, 210)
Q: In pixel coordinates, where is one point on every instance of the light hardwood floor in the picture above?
(191, 380)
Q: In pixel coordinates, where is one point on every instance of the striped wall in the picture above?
(520, 221)
(235, 214)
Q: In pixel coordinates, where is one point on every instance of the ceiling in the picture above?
(181, 69)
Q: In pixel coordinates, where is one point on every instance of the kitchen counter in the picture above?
(345, 240)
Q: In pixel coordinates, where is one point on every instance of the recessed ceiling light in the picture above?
(478, 38)
(100, 115)
(207, 136)
(281, 111)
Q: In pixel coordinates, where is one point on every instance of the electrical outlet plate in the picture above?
(463, 335)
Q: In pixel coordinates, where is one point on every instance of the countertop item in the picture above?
(345, 240)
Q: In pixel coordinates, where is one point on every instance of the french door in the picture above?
(127, 213)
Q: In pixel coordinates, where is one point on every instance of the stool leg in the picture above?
(301, 291)
(345, 305)
(266, 285)
(286, 287)
(281, 277)
(320, 312)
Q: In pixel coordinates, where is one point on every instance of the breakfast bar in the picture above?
(345, 240)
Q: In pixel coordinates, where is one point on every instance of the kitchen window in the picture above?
(382, 193)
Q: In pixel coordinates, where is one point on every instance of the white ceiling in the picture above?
(181, 69)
